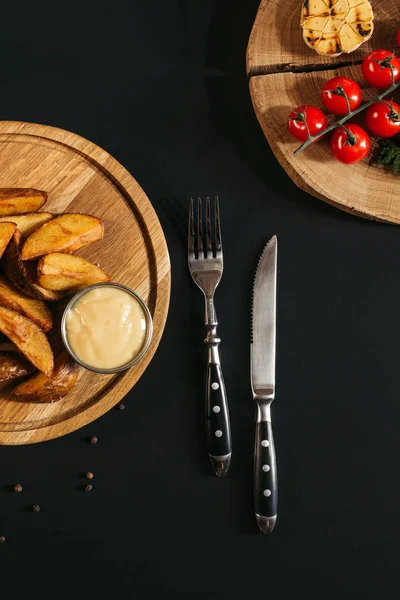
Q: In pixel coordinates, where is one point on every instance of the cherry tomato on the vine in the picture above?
(302, 115)
(334, 92)
(383, 119)
(350, 143)
(378, 66)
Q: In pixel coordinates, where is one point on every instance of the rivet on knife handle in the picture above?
(262, 358)
(264, 477)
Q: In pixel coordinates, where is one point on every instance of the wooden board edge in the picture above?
(163, 264)
(89, 416)
(300, 179)
(254, 69)
(98, 155)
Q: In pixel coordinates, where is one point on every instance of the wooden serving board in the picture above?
(284, 73)
(81, 177)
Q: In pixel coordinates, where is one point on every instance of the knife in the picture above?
(262, 357)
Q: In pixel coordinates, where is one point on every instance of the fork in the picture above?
(206, 266)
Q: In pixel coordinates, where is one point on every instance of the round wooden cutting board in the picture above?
(81, 177)
(284, 73)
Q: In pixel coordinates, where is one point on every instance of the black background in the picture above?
(161, 85)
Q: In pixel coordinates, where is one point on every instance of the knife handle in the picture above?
(217, 420)
(265, 478)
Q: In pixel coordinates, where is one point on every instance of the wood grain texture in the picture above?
(285, 73)
(276, 41)
(81, 177)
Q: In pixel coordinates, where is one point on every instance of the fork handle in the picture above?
(217, 420)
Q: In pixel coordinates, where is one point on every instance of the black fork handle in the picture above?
(218, 428)
(217, 421)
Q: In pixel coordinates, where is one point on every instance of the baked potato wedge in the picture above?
(61, 272)
(36, 310)
(40, 388)
(6, 233)
(27, 224)
(13, 366)
(17, 201)
(24, 274)
(65, 233)
(29, 338)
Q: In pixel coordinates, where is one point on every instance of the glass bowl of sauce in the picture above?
(106, 327)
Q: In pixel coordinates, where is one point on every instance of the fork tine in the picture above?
(218, 242)
(191, 229)
(199, 228)
(208, 227)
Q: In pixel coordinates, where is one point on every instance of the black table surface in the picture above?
(161, 85)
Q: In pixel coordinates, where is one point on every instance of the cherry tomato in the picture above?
(398, 38)
(298, 118)
(383, 119)
(376, 68)
(350, 143)
(333, 95)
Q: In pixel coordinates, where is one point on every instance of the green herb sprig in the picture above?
(389, 154)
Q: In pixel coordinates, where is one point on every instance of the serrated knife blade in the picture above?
(262, 356)
(263, 334)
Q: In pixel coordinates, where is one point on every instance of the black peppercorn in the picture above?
(93, 439)
(17, 487)
(89, 475)
(36, 508)
(88, 488)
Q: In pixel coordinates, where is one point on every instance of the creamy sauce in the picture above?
(106, 327)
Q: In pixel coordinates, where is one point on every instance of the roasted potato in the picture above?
(66, 272)
(27, 224)
(65, 233)
(29, 338)
(13, 366)
(23, 274)
(6, 233)
(40, 388)
(17, 201)
(34, 309)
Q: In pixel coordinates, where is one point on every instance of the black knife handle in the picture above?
(217, 420)
(265, 478)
